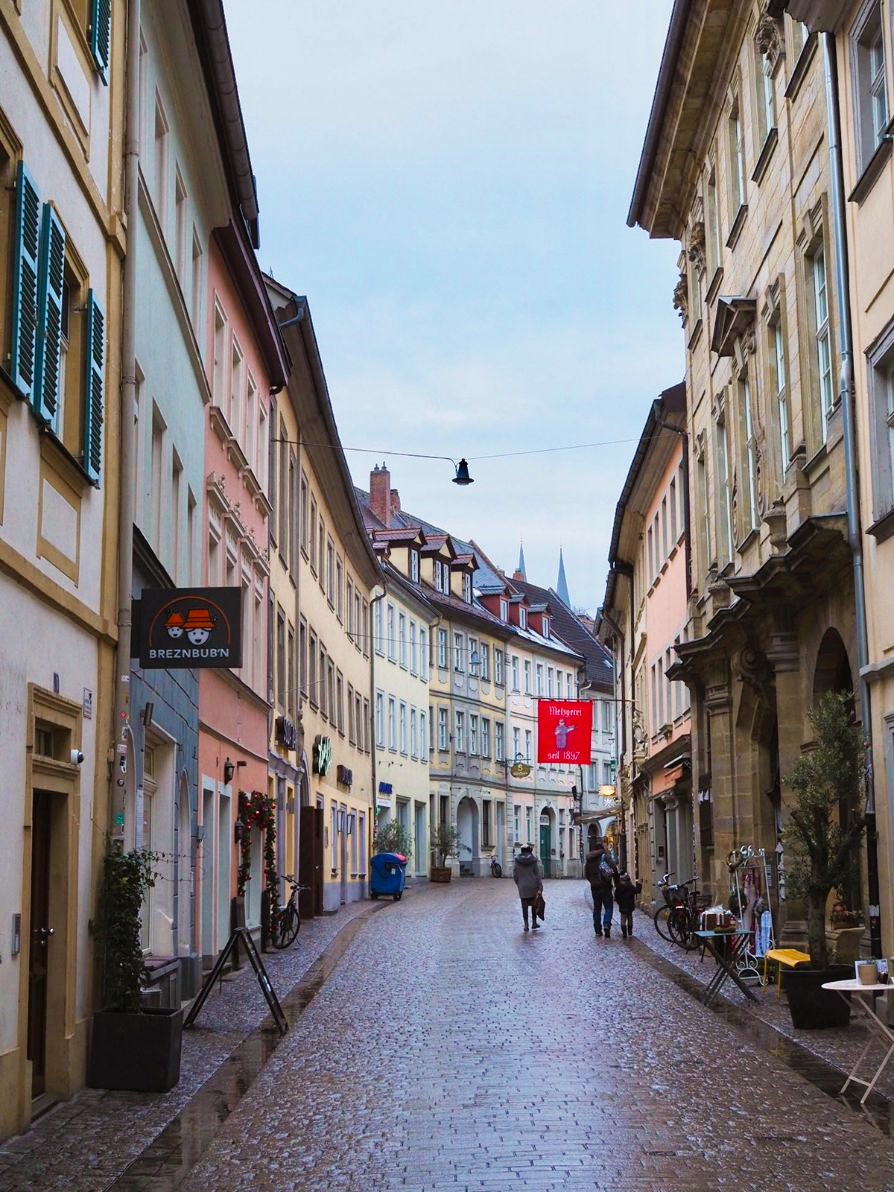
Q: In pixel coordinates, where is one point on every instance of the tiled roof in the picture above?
(598, 661)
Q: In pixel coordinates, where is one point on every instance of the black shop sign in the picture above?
(188, 628)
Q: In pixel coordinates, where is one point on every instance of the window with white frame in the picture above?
(513, 669)
(523, 618)
(391, 635)
(822, 335)
(749, 447)
(485, 737)
(539, 674)
(414, 566)
(392, 722)
(380, 719)
(379, 620)
(473, 734)
(414, 653)
(498, 666)
(459, 733)
(443, 730)
(736, 159)
(529, 745)
(484, 666)
(403, 727)
(423, 653)
(713, 241)
(402, 638)
(516, 743)
(499, 745)
(881, 363)
(527, 676)
(423, 736)
(467, 589)
(724, 495)
(766, 94)
(870, 85)
(780, 389)
(442, 649)
(459, 652)
(474, 656)
(504, 610)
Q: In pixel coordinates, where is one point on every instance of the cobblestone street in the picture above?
(448, 1049)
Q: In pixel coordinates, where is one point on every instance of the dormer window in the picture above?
(523, 618)
(442, 577)
(546, 626)
(504, 610)
(467, 589)
(414, 566)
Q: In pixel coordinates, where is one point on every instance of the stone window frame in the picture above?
(724, 511)
(714, 243)
(811, 238)
(707, 539)
(880, 387)
(768, 40)
(775, 322)
(737, 197)
(866, 31)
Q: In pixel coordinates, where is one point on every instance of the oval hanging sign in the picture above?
(520, 770)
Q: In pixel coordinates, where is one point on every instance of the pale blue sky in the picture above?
(448, 183)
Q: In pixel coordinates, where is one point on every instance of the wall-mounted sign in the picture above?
(385, 788)
(322, 755)
(344, 776)
(564, 728)
(520, 770)
(179, 628)
(286, 733)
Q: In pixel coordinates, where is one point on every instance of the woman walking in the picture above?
(528, 878)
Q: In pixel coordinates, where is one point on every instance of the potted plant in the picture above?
(445, 842)
(131, 1047)
(392, 837)
(822, 841)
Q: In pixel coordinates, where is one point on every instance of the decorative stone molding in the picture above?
(755, 670)
(783, 653)
(776, 521)
(717, 698)
(681, 298)
(769, 37)
(696, 250)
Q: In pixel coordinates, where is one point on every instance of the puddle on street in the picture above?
(828, 1079)
(169, 1158)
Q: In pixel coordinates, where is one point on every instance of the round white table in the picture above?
(879, 1030)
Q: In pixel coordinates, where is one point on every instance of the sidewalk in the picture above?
(84, 1144)
(838, 1048)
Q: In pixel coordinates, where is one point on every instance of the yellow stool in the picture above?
(788, 957)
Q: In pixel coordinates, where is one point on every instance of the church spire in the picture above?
(562, 583)
(520, 570)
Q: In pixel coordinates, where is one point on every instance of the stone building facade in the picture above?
(735, 167)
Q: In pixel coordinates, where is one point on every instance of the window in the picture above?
(484, 666)
(313, 535)
(523, 618)
(392, 722)
(349, 609)
(339, 590)
(870, 89)
(749, 445)
(414, 566)
(180, 227)
(280, 656)
(650, 545)
(516, 743)
(486, 832)
(321, 551)
(402, 638)
(414, 724)
(766, 96)
(527, 676)
(423, 654)
(513, 670)
(403, 727)
(539, 673)
(423, 736)
(822, 337)
(672, 500)
(780, 388)
(499, 731)
(443, 742)
(706, 539)
(459, 739)
(161, 162)
(485, 737)
(529, 823)
(442, 649)
(235, 410)
(380, 719)
(473, 734)
(379, 619)
(607, 726)
(330, 572)
(364, 705)
(363, 628)
(504, 610)
(312, 670)
(498, 667)
(339, 702)
(303, 513)
(459, 651)
(467, 589)
(724, 497)
(414, 659)
(882, 425)
(549, 682)
(474, 656)
(392, 642)
(529, 745)
(712, 229)
(737, 160)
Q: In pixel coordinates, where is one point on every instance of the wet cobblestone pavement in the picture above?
(447, 1049)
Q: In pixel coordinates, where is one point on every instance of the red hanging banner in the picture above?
(564, 729)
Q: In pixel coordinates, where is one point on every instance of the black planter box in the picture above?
(812, 1007)
(139, 1052)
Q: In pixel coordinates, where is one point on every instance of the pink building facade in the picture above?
(245, 363)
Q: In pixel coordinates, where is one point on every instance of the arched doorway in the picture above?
(547, 839)
(467, 829)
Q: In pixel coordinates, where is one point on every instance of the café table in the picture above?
(879, 1031)
(727, 958)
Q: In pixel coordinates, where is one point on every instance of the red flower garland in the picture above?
(257, 810)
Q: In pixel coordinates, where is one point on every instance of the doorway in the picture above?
(546, 843)
(467, 828)
(41, 940)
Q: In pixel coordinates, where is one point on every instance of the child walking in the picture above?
(626, 892)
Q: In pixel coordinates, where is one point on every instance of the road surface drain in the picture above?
(169, 1158)
(825, 1077)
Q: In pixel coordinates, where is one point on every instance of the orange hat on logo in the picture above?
(198, 618)
(174, 621)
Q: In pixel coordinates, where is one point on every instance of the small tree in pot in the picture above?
(130, 1047)
(445, 842)
(826, 825)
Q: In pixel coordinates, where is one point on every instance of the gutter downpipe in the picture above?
(846, 395)
(126, 498)
(613, 625)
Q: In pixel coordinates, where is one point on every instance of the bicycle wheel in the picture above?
(680, 927)
(286, 927)
(660, 919)
(496, 869)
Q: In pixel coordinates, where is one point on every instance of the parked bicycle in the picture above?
(678, 920)
(496, 869)
(287, 919)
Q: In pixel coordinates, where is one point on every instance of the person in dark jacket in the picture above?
(601, 871)
(528, 878)
(626, 891)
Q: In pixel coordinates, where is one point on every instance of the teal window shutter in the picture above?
(24, 283)
(51, 278)
(93, 387)
(99, 32)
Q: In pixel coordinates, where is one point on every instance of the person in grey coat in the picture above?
(528, 878)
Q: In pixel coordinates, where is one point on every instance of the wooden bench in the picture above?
(784, 958)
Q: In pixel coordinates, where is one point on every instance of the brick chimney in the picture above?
(380, 494)
(395, 501)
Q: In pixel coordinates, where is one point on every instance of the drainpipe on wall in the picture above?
(847, 398)
(126, 455)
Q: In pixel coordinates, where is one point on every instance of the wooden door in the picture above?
(41, 936)
(306, 862)
(545, 847)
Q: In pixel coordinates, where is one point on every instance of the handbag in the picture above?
(540, 905)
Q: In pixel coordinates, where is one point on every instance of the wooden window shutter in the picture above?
(99, 32)
(93, 388)
(24, 287)
(51, 277)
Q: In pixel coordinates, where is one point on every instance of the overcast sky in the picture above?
(448, 183)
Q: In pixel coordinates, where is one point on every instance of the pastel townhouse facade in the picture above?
(332, 820)
(858, 39)
(61, 246)
(245, 367)
(646, 612)
(190, 182)
(738, 173)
